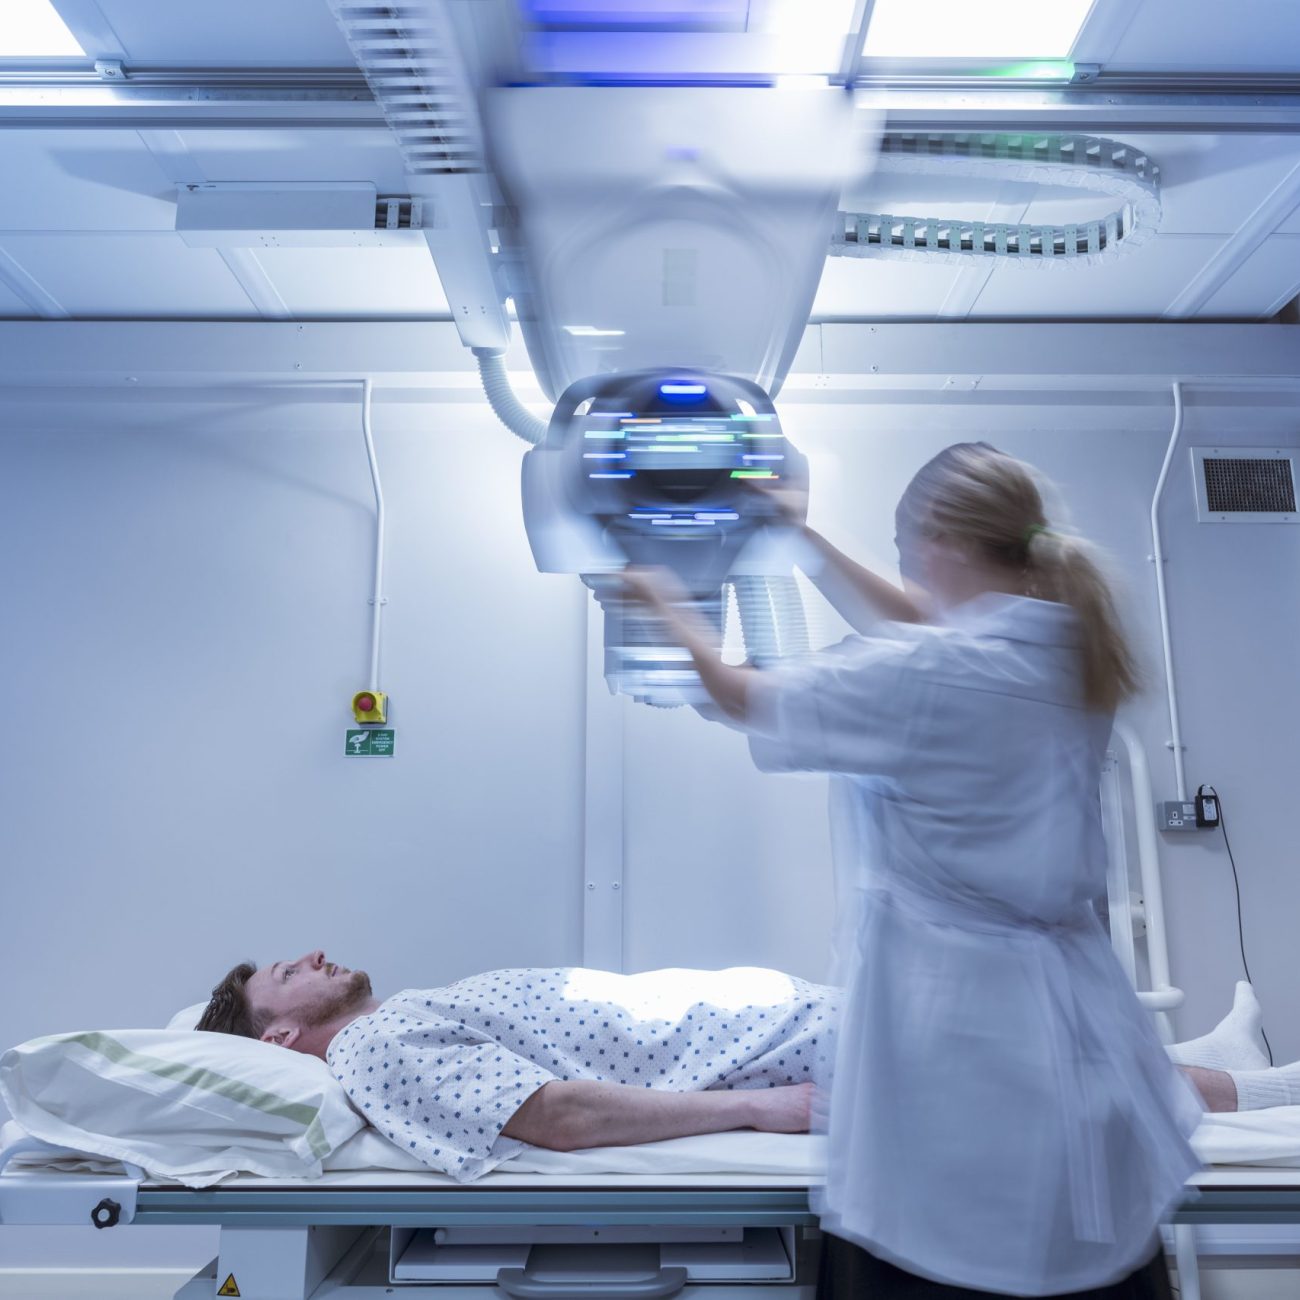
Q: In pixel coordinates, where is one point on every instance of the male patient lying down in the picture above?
(570, 1058)
(559, 1058)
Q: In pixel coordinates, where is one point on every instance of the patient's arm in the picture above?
(566, 1115)
(1216, 1088)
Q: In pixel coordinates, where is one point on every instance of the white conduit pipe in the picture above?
(501, 397)
(1162, 596)
(377, 600)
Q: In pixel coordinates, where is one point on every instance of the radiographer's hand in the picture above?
(659, 588)
(790, 504)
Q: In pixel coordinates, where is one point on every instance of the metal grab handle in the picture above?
(1161, 999)
(667, 1282)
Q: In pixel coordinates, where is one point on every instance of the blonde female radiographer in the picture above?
(1002, 1116)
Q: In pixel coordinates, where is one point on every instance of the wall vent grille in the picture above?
(1245, 485)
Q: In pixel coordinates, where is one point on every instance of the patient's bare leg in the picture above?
(1216, 1087)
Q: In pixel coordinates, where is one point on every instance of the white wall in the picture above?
(186, 615)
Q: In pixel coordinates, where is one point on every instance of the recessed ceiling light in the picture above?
(963, 29)
(31, 29)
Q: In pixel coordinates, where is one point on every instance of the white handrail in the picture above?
(1163, 995)
(1162, 597)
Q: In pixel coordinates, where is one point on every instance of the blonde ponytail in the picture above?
(1064, 568)
(982, 498)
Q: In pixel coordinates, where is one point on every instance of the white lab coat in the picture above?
(1003, 1116)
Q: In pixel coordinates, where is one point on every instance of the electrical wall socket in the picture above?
(1175, 816)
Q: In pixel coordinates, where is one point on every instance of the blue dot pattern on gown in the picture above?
(441, 1071)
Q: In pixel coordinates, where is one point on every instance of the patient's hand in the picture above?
(783, 1110)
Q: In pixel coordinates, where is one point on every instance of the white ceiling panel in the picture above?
(1211, 184)
(869, 286)
(1141, 283)
(12, 307)
(130, 275)
(1291, 226)
(243, 33)
(82, 180)
(1266, 282)
(357, 283)
(1210, 36)
(299, 156)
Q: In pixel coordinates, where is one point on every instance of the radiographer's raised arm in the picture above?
(729, 685)
(861, 597)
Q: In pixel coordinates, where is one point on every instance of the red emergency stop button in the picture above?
(369, 707)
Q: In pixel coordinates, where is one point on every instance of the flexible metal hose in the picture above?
(501, 397)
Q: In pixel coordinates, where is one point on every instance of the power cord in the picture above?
(1209, 792)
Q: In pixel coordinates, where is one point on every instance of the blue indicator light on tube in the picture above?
(682, 392)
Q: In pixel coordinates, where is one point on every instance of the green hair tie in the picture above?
(1033, 530)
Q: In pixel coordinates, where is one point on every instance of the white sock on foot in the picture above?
(1233, 1044)
(1260, 1089)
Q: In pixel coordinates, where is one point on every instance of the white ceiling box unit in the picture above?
(1246, 485)
(304, 214)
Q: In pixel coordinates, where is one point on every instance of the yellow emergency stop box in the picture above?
(370, 706)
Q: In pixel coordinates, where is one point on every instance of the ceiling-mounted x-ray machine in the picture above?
(661, 233)
(663, 260)
(662, 246)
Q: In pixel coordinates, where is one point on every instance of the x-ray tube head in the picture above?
(659, 468)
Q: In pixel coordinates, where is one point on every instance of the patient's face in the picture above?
(308, 991)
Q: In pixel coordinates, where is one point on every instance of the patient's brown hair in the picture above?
(229, 1011)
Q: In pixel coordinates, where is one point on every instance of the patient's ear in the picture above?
(282, 1035)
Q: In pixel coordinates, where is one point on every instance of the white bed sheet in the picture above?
(1256, 1138)
(796, 1157)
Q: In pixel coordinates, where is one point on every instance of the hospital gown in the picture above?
(441, 1071)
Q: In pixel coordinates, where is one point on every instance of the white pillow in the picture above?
(190, 1106)
(189, 1017)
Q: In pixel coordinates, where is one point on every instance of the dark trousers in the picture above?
(848, 1272)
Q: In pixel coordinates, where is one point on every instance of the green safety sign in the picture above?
(370, 744)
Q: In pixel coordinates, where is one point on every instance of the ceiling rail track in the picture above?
(331, 98)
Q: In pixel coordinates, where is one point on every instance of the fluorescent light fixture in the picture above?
(1033, 70)
(688, 41)
(962, 29)
(31, 29)
(810, 35)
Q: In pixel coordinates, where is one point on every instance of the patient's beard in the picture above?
(354, 990)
